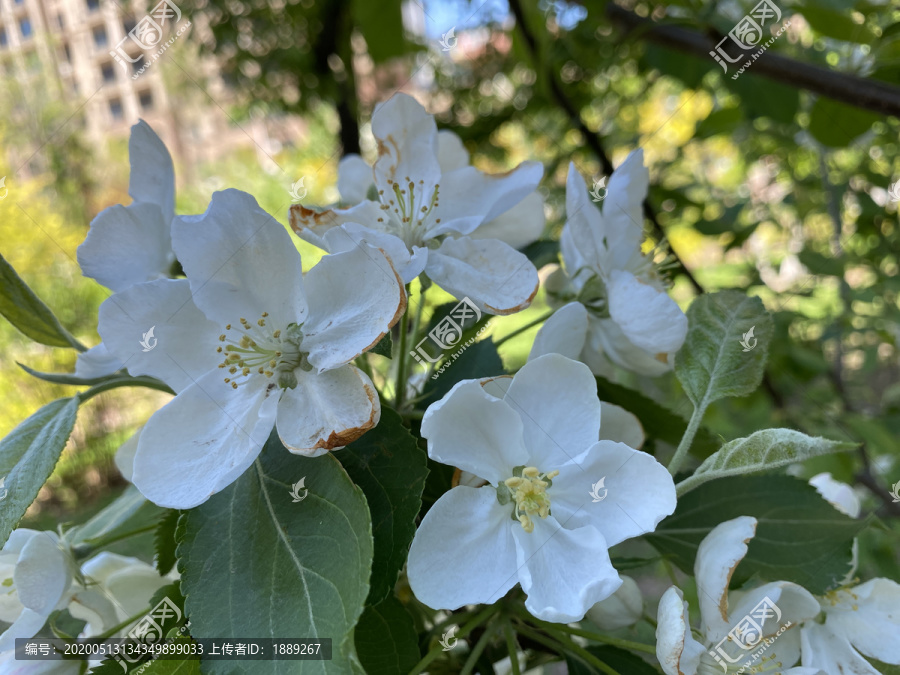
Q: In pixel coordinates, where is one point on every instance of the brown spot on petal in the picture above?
(723, 601)
(338, 439)
(302, 218)
(662, 357)
(517, 308)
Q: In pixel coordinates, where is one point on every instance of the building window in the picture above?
(108, 72)
(100, 36)
(93, 5)
(146, 99)
(25, 28)
(137, 65)
(128, 25)
(115, 108)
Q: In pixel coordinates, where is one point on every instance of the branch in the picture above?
(879, 97)
(592, 138)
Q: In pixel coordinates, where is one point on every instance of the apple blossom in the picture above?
(425, 217)
(619, 312)
(534, 439)
(287, 365)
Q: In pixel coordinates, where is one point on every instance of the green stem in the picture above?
(475, 621)
(687, 439)
(115, 629)
(91, 546)
(597, 637)
(402, 357)
(149, 382)
(511, 647)
(475, 654)
(560, 643)
(522, 329)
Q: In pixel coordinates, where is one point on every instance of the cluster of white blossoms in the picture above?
(249, 343)
(39, 575)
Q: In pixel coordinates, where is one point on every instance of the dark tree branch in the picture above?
(879, 97)
(592, 138)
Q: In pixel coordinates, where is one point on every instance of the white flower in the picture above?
(35, 580)
(10, 666)
(723, 614)
(426, 217)
(623, 608)
(621, 312)
(248, 342)
(131, 244)
(116, 589)
(533, 438)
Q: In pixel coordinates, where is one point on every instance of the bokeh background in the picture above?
(778, 183)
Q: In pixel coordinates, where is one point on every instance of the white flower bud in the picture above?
(623, 608)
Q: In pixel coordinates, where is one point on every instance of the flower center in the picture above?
(528, 489)
(252, 350)
(410, 207)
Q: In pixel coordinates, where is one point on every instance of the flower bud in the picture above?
(623, 608)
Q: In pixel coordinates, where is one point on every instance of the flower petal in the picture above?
(352, 235)
(96, 362)
(717, 558)
(676, 649)
(407, 147)
(564, 572)
(637, 492)
(124, 458)
(840, 495)
(868, 616)
(152, 177)
(127, 245)
(620, 425)
(26, 625)
(327, 411)
(202, 440)
(355, 177)
(606, 337)
(790, 605)
(42, 574)
(563, 333)
(463, 552)
(182, 345)
(354, 299)
(312, 226)
(557, 400)
(240, 262)
(623, 217)
(476, 432)
(469, 197)
(831, 652)
(582, 237)
(452, 154)
(650, 319)
(623, 608)
(496, 277)
(519, 226)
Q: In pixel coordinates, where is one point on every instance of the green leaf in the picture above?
(713, 363)
(164, 541)
(24, 310)
(658, 421)
(761, 451)
(127, 512)
(479, 359)
(542, 252)
(384, 347)
(619, 660)
(761, 97)
(722, 121)
(381, 24)
(800, 537)
(390, 468)
(65, 378)
(386, 639)
(836, 125)
(255, 563)
(834, 24)
(28, 455)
